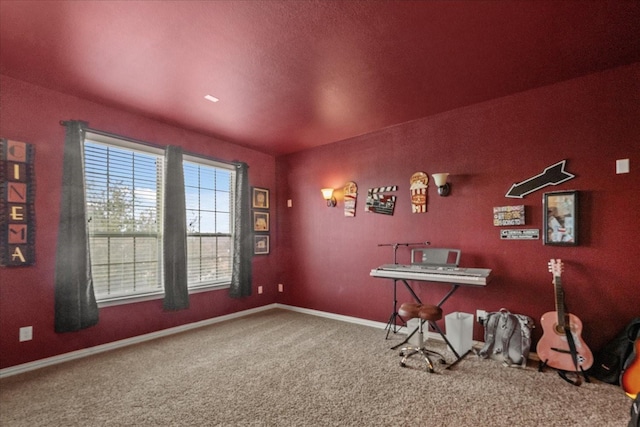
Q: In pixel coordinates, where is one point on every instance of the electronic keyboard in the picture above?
(433, 273)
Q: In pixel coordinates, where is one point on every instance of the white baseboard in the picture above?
(379, 325)
(348, 319)
(66, 357)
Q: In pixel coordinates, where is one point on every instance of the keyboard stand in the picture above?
(392, 324)
(436, 266)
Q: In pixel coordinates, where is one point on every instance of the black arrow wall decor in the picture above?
(553, 175)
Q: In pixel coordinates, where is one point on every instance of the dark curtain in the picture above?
(75, 301)
(242, 236)
(176, 292)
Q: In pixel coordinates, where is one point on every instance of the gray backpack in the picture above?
(507, 337)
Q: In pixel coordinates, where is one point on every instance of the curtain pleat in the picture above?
(176, 292)
(75, 302)
(242, 236)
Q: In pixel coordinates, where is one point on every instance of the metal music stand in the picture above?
(392, 323)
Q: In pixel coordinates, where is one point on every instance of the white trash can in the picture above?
(459, 327)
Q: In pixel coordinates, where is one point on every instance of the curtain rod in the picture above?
(150, 144)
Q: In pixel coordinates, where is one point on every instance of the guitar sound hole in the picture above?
(560, 329)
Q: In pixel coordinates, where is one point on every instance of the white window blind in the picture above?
(124, 199)
(124, 185)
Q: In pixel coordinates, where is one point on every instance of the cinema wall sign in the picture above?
(17, 213)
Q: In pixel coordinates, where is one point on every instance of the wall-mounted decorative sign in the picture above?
(17, 200)
(560, 217)
(553, 175)
(350, 197)
(508, 215)
(419, 183)
(377, 202)
(520, 234)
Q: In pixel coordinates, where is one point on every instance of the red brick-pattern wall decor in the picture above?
(17, 229)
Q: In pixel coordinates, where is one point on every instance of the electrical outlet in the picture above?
(280, 287)
(481, 315)
(259, 289)
(26, 333)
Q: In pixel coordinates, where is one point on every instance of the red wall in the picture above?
(32, 114)
(590, 121)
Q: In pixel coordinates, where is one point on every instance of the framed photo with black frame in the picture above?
(260, 198)
(260, 221)
(560, 218)
(261, 244)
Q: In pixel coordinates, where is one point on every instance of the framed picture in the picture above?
(260, 198)
(260, 221)
(560, 216)
(261, 244)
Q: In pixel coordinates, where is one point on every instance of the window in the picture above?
(123, 196)
(209, 194)
(124, 184)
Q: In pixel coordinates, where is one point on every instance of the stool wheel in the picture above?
(429, 369)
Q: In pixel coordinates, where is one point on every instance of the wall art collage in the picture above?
(260, 212)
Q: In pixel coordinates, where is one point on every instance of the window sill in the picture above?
(110, 302)
(207, 288)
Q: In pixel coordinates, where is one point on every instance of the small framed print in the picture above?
(260, 199)
(261, 244)
(560, 216)
(260, 221)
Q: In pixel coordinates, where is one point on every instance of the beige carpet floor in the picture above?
(282, 368)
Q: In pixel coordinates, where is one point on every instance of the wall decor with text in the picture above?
(419, 182)
(17, 201)
(350, 198)
(508, 215)
(380, 203)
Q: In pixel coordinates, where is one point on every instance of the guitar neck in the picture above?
(563, 318)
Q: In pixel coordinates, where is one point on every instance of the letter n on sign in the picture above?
(17, 201)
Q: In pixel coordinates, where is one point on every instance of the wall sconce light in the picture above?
(441, 182)
(327, 194)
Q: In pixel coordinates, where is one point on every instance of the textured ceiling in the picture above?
(291, 75)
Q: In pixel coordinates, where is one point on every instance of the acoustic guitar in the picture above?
(554, 349)
(630, 378)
